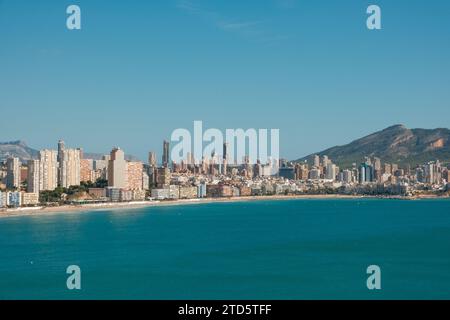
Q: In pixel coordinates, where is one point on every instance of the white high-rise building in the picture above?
(12, 173)
(316, 161)
(48, 170)
(314, 174)
(34, 176)
(325, 161)
(347, 176)
(331, 171)
(70, 168)
(117, 169)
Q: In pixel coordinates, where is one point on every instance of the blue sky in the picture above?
(140, 69)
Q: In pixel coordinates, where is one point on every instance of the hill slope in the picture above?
(17, 149)
(396, 144)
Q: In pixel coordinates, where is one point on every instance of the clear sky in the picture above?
(140, 69)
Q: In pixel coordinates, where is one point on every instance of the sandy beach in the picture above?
(42, 210)
(38, 211)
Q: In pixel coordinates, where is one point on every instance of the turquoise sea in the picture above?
(294, 249)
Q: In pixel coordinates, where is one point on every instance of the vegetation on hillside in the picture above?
(396, 144)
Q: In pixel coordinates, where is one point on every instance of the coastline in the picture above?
(41, 211)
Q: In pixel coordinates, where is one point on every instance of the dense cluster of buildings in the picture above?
(64, 168)
(370, 177)
(22, 184)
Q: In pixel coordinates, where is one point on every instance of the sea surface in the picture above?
(293, 249)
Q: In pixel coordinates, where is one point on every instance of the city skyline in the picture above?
(162, 153)
(68, 176)
(79, 85)
(63, 173)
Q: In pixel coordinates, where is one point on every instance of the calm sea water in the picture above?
(296, 249)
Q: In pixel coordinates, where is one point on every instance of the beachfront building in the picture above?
(117, 169)
(70, 168)
(87, 172)
(134, 175)
(219, 191)
(160, 194)
(125, 195)
(163, 177)
(188, 192)
(98, 193)
(34, 176)
(113, 194)
(138, 195)
(14, 199)
(30, 199)
(245, 191)
(201, 190)
(49, 170)
(174, 192)
(2, 199)
(12, 173)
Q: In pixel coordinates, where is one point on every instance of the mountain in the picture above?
(396, 144)
(19, 149)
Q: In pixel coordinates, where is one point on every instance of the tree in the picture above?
(101, 183)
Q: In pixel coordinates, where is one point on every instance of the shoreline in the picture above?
(42, 211)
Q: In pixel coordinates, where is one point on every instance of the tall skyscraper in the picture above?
(134, 175)
(362, 173)
(347, 176)
(101, 166)
(301, 172)
(49, 170)
(325, 161)
(34, 176)
(152, 167)
(316, 161)
(225, 151)
(377, 163)
(152, 159)
(117, 169)
(331, 171)
(225, 159)
(189, 158)
(61, 148)
(81, 153)
(13, 173)
(366, 173)
(70, 168)
(165, 157)
(163, 177)
(86, 169)
(429, 173)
